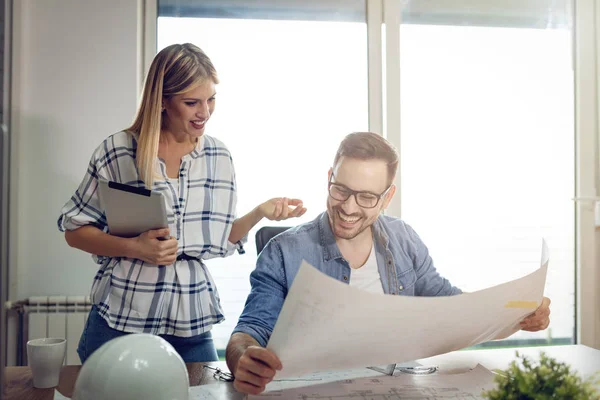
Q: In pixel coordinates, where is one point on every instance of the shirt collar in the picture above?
(197, 152)
(330, 247)
(198, 149)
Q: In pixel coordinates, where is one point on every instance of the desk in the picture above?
(19, 382)
(582, 358)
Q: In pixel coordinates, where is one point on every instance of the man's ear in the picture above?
(329, 175)
(388, 197)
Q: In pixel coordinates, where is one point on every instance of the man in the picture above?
(352, 242)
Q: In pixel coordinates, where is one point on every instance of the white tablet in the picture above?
(131, 211)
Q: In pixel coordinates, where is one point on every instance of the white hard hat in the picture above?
(135, 366)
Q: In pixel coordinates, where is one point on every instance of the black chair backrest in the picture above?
(264, 234)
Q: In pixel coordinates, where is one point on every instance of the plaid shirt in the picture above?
(179, 299)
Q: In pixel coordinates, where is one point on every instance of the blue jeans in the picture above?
(97, 332)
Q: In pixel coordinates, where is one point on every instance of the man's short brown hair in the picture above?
(369, 146)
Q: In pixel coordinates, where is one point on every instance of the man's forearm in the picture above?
(238, 343)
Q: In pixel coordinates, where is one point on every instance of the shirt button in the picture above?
(400, 287)
(345, 277)
(389, 262)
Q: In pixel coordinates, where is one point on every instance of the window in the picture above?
(487, 154)
(486, 134)
(293, 83)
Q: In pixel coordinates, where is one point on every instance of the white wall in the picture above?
(75, 81)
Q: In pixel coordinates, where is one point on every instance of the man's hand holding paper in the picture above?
(540, 319)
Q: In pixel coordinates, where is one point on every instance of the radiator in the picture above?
(55, 317)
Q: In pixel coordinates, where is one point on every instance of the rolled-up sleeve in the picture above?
(268, 292)
(223, 202)
(237, 246)
(84, 206)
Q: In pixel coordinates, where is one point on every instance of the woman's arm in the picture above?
(277, 209)
(146, 247)
(242, 226)
(92, 240)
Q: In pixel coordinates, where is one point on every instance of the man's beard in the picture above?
(341, 232)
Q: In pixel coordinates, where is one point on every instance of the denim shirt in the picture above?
(404, 264)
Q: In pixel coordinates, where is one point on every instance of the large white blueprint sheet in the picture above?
(468, 386)
(327, 325)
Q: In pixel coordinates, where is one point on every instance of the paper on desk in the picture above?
(59, 396)
(468, 385)
(327, 325)
(216, 391)
(319, 378)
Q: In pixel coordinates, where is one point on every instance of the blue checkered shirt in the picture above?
(179, 299)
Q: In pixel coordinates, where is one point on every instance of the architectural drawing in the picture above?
(438, 386)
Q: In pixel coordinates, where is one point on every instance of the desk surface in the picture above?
(582, 358)
(19, 385)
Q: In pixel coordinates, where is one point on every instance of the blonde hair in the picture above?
(176, 69)
(369, 146)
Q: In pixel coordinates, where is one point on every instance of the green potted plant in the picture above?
(547, 379)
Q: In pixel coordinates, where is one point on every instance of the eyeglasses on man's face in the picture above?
(364, 199)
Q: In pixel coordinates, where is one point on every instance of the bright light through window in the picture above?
(487, 139)
(488, 156)
(289, 92)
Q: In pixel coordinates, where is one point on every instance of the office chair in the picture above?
(264, 234)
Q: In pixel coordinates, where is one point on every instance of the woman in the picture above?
(163, 286)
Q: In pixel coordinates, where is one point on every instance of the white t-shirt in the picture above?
(367, 277)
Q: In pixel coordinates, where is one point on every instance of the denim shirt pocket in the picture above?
(406, 282)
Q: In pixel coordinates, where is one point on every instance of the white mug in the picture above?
(46, 357)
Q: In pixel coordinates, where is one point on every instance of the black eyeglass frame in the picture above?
(355, 193)
(219, 374)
